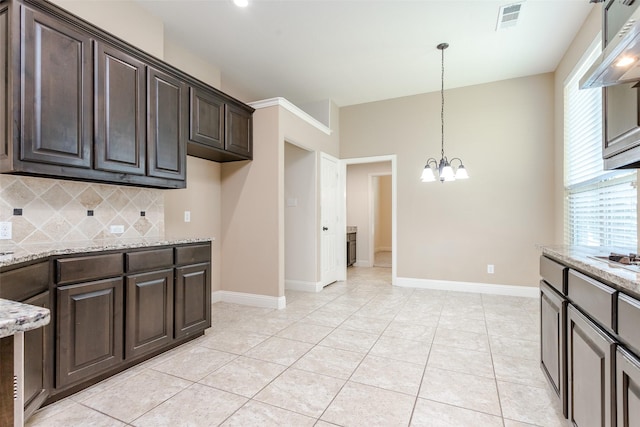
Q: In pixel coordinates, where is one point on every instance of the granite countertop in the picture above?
(16, 254)
(625, 278)
(18, 317)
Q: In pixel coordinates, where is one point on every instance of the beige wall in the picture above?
(202, 198)
(382, 225)
(253, 212)
(124, 19)
(504, 133)
(359, 205)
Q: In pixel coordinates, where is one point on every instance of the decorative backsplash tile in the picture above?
(56, 210)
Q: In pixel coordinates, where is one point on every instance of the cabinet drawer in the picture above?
(25, 282)
(629, 321)
(84, 268)
(148, 260)
(193, 254)
(553, 273)
(594, 298)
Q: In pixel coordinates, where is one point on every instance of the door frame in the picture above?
(393, 158)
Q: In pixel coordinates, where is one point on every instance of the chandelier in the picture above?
(445, 167)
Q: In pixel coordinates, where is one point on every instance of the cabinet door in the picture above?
(552, 340)
(238, 131)
(628, 389)
(166, 127)
(149, 312)
(206, 118)
(56, 92)
(89, 329)
(120, 142)
(590, 356)
(38, 353)
(4, 81)
(193, 299)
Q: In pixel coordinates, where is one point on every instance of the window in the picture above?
(600, 206)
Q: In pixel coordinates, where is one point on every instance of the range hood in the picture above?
(620, 61)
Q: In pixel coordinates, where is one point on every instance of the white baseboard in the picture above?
(300, 285)
(254, 300)
(482, 288)
(363, 263)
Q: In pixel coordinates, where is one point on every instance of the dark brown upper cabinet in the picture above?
(219, 129)
(56, 92)
(167, 114)
(120, 141)
(78, 103)
(238, 131)
(206, 118)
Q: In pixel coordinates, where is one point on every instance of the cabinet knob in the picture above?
(325, 228)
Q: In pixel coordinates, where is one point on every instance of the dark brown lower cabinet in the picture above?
(149, 312)
(192, 299)
(90, 329)
(553, 315)
(591, 358)
(37, 363)
(628, 388)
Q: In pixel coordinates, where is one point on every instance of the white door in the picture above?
(329, 219)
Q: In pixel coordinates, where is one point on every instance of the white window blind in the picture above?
(600, 206)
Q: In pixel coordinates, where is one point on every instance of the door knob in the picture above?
(325, 229)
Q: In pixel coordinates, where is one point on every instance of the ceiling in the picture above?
(361, 51)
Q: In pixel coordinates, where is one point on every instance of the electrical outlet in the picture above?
(116, 229)
(5, 230)
(187, 216)
(490, 269)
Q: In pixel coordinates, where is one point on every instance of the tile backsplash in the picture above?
(55, 210)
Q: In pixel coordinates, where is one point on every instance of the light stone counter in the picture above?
(582, 258)
(17, 317)
(16, 254)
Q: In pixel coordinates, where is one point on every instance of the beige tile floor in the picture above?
(359, 353)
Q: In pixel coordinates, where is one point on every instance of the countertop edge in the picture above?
(29, 253)
(582, 258)
(18, 317)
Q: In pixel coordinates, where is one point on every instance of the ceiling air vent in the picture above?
(508, 16)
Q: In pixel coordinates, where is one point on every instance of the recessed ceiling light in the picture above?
(241, 3)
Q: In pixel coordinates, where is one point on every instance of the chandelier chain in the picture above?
(442, 106)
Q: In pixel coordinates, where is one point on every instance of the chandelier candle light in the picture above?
(444, 168)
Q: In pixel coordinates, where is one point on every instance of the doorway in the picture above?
(371, 206)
